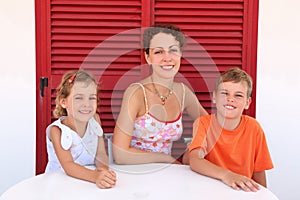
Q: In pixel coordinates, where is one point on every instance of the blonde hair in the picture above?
(64, 88)
(235, 75)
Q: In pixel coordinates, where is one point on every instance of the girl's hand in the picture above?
(106, 178)
(237, 181)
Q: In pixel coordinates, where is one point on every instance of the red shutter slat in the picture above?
(81, 37)
(216, 28)
(85, 33)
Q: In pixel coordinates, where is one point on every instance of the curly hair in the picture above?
(64, 88)
(162, 28)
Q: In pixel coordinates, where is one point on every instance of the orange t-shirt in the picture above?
(243, 150)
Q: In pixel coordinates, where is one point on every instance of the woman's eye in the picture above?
(78, 98)
(93, 98)
(157, 52)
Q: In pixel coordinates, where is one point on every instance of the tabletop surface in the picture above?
(146, 181)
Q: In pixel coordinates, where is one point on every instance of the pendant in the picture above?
(163, 100)
(162, 97)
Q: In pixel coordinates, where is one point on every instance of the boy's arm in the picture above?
(199, 164)
(260, 177)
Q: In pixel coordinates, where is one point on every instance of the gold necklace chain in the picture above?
(162, 97)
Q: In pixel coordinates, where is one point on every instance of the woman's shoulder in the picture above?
(133, 87)
(134, 90)
(133, 97)
(185, 86)
(181, 86)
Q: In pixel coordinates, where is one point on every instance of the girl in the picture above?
(75, 139)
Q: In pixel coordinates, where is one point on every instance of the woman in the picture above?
(151, 114)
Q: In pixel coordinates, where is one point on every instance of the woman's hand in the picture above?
(237, 181)
(106, 178)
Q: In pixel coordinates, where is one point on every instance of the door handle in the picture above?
(43, 84)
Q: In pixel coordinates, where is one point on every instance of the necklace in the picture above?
(163, 98)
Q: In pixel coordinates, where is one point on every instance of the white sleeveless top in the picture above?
(83, 149)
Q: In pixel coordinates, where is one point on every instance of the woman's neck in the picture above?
(162, 82)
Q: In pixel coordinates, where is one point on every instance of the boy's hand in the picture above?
(237, 181)
(106, 178)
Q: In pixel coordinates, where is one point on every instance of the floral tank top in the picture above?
(154, 135)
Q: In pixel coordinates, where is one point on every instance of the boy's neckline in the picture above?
(226, 123)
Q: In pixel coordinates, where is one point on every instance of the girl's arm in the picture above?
(102, 178)
(205, 167)
(106, 178)
(101, 158)
(66, 160)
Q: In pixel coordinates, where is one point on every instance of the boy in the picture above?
(228, 145)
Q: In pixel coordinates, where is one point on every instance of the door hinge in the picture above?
(43, 84)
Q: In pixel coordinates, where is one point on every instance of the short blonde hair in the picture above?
(235, 75)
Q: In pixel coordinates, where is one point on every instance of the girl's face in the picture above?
(81, 104)
(231, 100)
(164, 55)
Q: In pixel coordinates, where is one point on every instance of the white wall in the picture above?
(278, 92)
(17, 82)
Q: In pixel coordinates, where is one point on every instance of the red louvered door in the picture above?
(92, 35)
(104, 37)
(222, 34)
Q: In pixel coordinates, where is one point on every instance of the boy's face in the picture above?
(81, 104)
(231, 99)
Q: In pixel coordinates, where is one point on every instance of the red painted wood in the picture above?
(67, 33)
(43, 108)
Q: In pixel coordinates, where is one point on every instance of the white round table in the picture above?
(146, 181)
